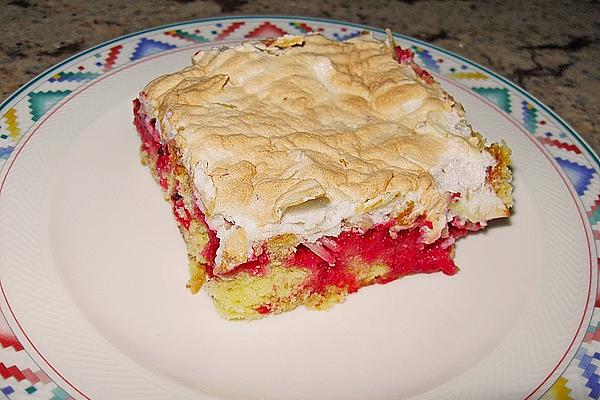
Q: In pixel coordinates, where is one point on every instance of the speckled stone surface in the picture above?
(550, 48)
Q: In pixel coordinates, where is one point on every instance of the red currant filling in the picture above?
(333, 261)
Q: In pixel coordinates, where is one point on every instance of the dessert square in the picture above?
(301, 169)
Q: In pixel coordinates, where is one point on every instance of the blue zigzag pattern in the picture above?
(579, 175)
(5, 152)
(147, 47)
(589, 371)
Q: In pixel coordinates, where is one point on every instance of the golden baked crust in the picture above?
(280, 128)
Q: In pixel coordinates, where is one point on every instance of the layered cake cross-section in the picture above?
(301, 169)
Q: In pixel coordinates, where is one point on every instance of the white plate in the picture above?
(92, 267)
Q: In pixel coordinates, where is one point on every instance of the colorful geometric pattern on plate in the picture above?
(576, 374)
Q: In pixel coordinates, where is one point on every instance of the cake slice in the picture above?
(301, 169)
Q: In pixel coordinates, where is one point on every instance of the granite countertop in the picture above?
(550, 48)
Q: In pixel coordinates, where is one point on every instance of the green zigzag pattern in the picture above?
(41, 102)
(190, 36)
(59, 394)
(594, 219)
(73, 76)
(498, 96)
